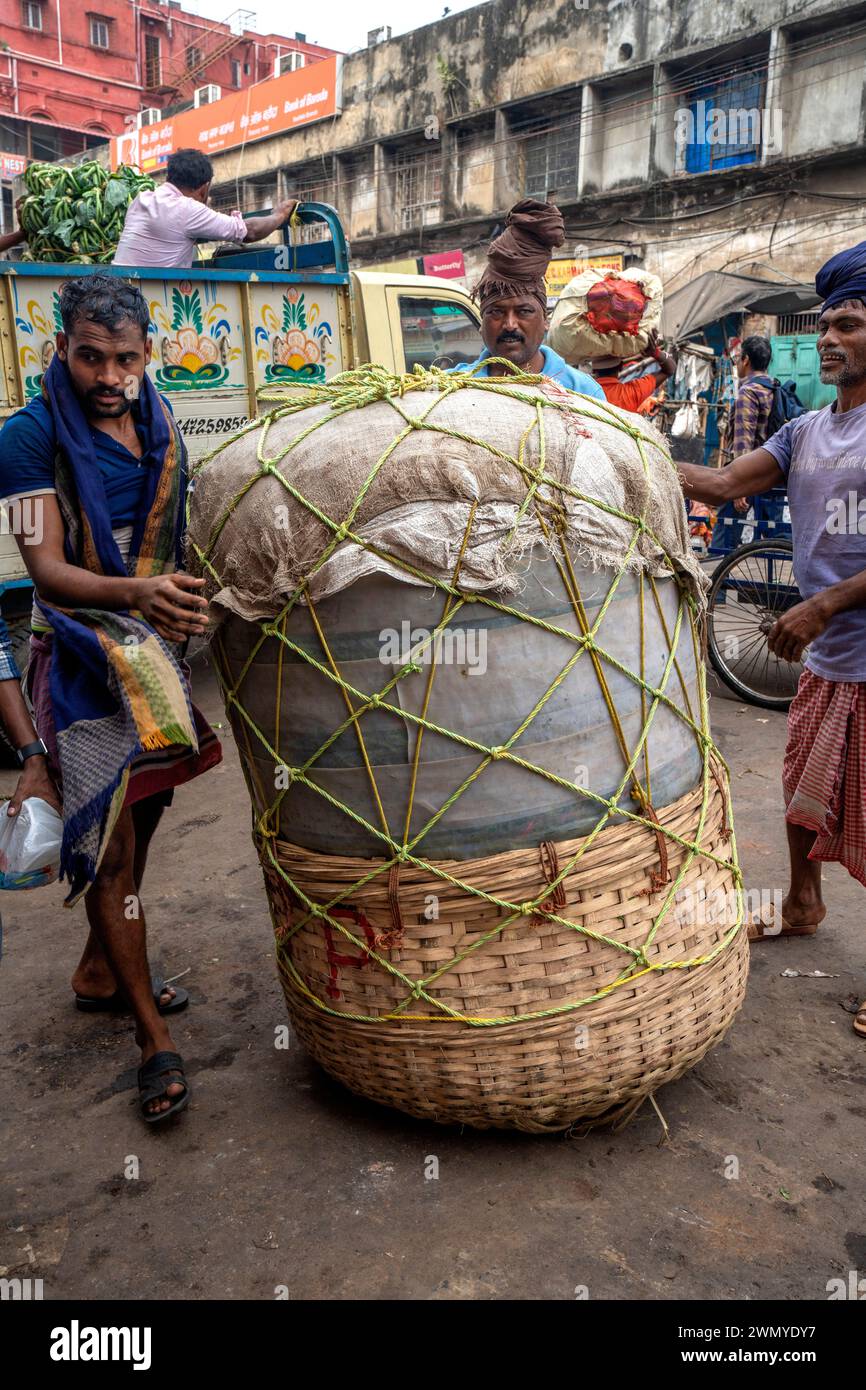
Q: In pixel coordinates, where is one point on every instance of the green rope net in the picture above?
(352, 391)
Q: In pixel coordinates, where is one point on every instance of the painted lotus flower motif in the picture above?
(189, 351)
(298, 347)
(296, 351)
(193, 340)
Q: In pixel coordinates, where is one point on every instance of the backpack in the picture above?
(786, 404)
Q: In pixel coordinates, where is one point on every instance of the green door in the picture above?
(796, 356)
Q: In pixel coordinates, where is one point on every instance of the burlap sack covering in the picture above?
(574, 338)
(417, 505)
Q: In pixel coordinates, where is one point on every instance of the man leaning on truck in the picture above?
(101, 456)
(164, 224)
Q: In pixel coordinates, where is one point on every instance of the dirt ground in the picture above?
(277, 1177)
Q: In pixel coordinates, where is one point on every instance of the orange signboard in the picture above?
(269, 108)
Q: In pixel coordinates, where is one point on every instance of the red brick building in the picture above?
(73, 72)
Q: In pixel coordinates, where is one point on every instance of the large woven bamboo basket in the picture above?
(563, 979)
(575, 1011)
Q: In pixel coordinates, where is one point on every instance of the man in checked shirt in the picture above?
(747, 430)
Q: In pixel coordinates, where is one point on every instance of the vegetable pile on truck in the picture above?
(224, 330)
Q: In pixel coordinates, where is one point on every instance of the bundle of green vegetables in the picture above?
(77, 214)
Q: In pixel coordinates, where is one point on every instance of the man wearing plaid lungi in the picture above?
(821, 457)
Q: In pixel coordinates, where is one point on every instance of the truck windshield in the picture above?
(437, 332)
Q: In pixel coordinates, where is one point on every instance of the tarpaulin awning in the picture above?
(717, 292)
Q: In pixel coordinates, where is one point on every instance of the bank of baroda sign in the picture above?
(268, 108)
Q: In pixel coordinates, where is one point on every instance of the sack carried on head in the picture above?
(606, 313)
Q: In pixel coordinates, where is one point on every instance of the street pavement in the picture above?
(276, 1182)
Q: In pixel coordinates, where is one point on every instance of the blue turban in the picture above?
(843, 277)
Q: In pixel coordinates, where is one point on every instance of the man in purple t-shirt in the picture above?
(821, 457)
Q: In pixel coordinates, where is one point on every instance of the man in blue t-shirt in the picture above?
(821, 456)
(513, 298)
(105, 347)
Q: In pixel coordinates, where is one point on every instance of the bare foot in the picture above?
(798, 917)
(803, 912)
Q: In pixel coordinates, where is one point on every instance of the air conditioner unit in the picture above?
(150, 116)
(205, 95)
(289, 62)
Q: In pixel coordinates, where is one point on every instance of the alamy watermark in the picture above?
(457, 646)
(729, 127)
(20, 1290)
(846, 516)
(694, 906)
(23, 518)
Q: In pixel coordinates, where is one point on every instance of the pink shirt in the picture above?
(162, 227)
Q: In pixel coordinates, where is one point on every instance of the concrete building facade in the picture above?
(685, 135)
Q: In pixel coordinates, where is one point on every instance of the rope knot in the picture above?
(375, 701)
(410, 669)
(341, 532)
(498, 752)
(527, 909)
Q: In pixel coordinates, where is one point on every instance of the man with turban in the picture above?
(513, 300)
(821, 457)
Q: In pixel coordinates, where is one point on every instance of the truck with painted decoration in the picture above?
(248, 319)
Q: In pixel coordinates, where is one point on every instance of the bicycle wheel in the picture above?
(751, 588)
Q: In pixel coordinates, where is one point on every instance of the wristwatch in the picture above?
(36, 749)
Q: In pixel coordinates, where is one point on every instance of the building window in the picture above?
(152, 65)
(99, 31)
(311, 187)
(31, 14)
(224, 199)
(417, 188)
(804, 322)
(550, 162)
(193, 58)
(236, 73)
(721, 127)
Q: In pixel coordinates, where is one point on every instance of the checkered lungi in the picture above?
(824, 772)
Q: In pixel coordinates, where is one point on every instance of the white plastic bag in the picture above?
(30, 844)
(687, 421)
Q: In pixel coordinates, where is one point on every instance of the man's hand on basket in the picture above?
(741, 504)
(172, 606)
(792, 633)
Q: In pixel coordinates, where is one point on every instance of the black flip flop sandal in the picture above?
(164, 1069)
(116, 1003)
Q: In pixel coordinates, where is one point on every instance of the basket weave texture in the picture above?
(624, 1029)
(533, 989)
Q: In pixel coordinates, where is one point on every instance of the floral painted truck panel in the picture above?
(197, 332)
(201, 345)
(295, 330)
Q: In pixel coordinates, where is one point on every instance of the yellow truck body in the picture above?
(224, 332)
